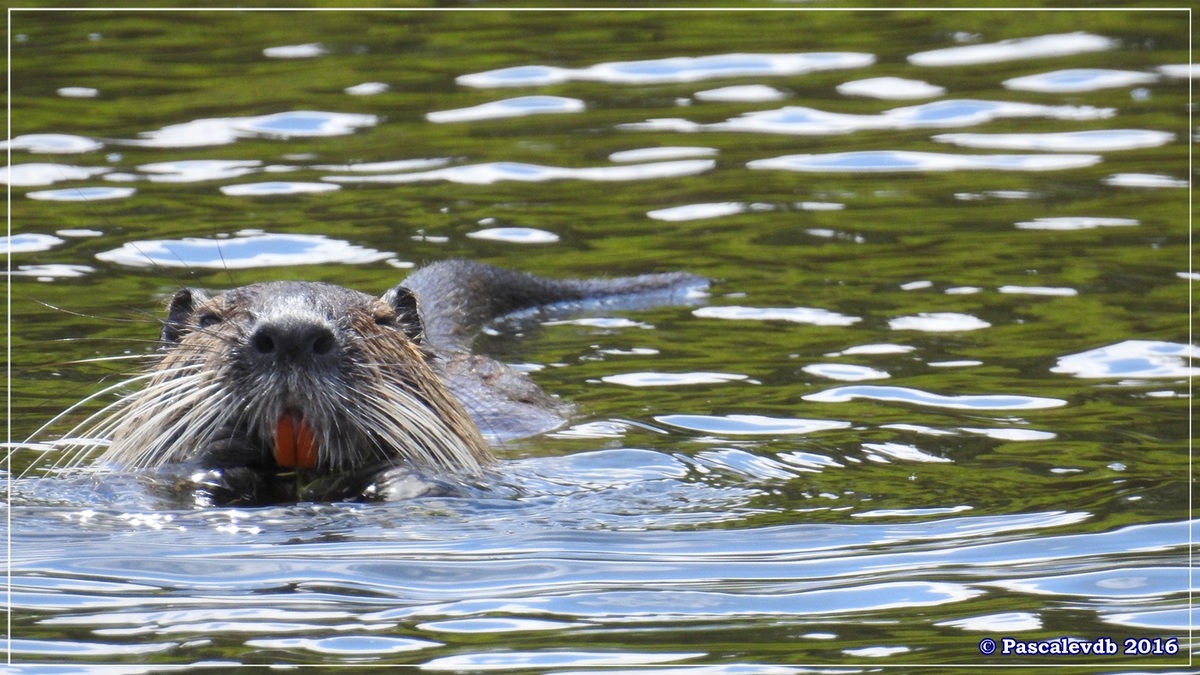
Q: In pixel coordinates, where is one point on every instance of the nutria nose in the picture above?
(293, 338)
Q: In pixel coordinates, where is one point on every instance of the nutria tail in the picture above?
(457, 297)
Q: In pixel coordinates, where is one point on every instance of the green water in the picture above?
(1115, 451)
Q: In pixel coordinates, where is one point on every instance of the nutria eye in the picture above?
(207, 320)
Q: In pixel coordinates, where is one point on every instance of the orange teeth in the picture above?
(295, 442)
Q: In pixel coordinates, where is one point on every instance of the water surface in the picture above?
(939, 391)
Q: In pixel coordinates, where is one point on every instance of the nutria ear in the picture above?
(408, 318)
(180, 309)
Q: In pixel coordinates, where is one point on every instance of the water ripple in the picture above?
(276, 188)
(246, 250)
(1100, 140)
(304, 51)
(1079, 79)
(494, 172)
(902, 160)
(797, 120)
(809, 315)
(84, 194)
(1145, 180)
(749, 424)
(924, 398)
(745, 93)
(46, 173)
(29, 242)
(661, 153)
(1132, 359)
(650, 379)
(676, 69)
(56, 144)
(515, 235)
(513, 107)
(845, 372)
(890, 88)
(196, 170)
(345, 645)
(1042, 46)
(938, 322)
(225, 130)
(1062, 223)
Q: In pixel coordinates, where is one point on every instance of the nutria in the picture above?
(294, 390)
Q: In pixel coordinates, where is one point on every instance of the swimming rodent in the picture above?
(289, 390)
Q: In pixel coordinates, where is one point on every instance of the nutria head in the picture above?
(286, 376)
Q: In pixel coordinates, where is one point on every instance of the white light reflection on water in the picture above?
(1144, 180)
(1132, 359)
(533, 660)
(924, 398)
(515, 235)
(650, 379)
(78, 92)
(1038, 290)
(1042, 46)
(798, 120)
(225, 130)
(902, 452)
(661, 153)
(749, 424)
(50, 272)
(83, 194)
(385, 166)
(29, 242)
(904, 160)
(494, 172)
(675, 69)
(1101, 140)
(46, 173)
(1064, 223)
(304, 51)
(809, 315)
(845, 372)
(57, 144)
(746, 93)
(1006, 622)
(874, 349)
(938, 322)
(196, 170)
(246, 250)
(697, 211)
(367, 89)
(276, 188)
(513, 107)
(344, 645)
(890, 88)
(1079, 79)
